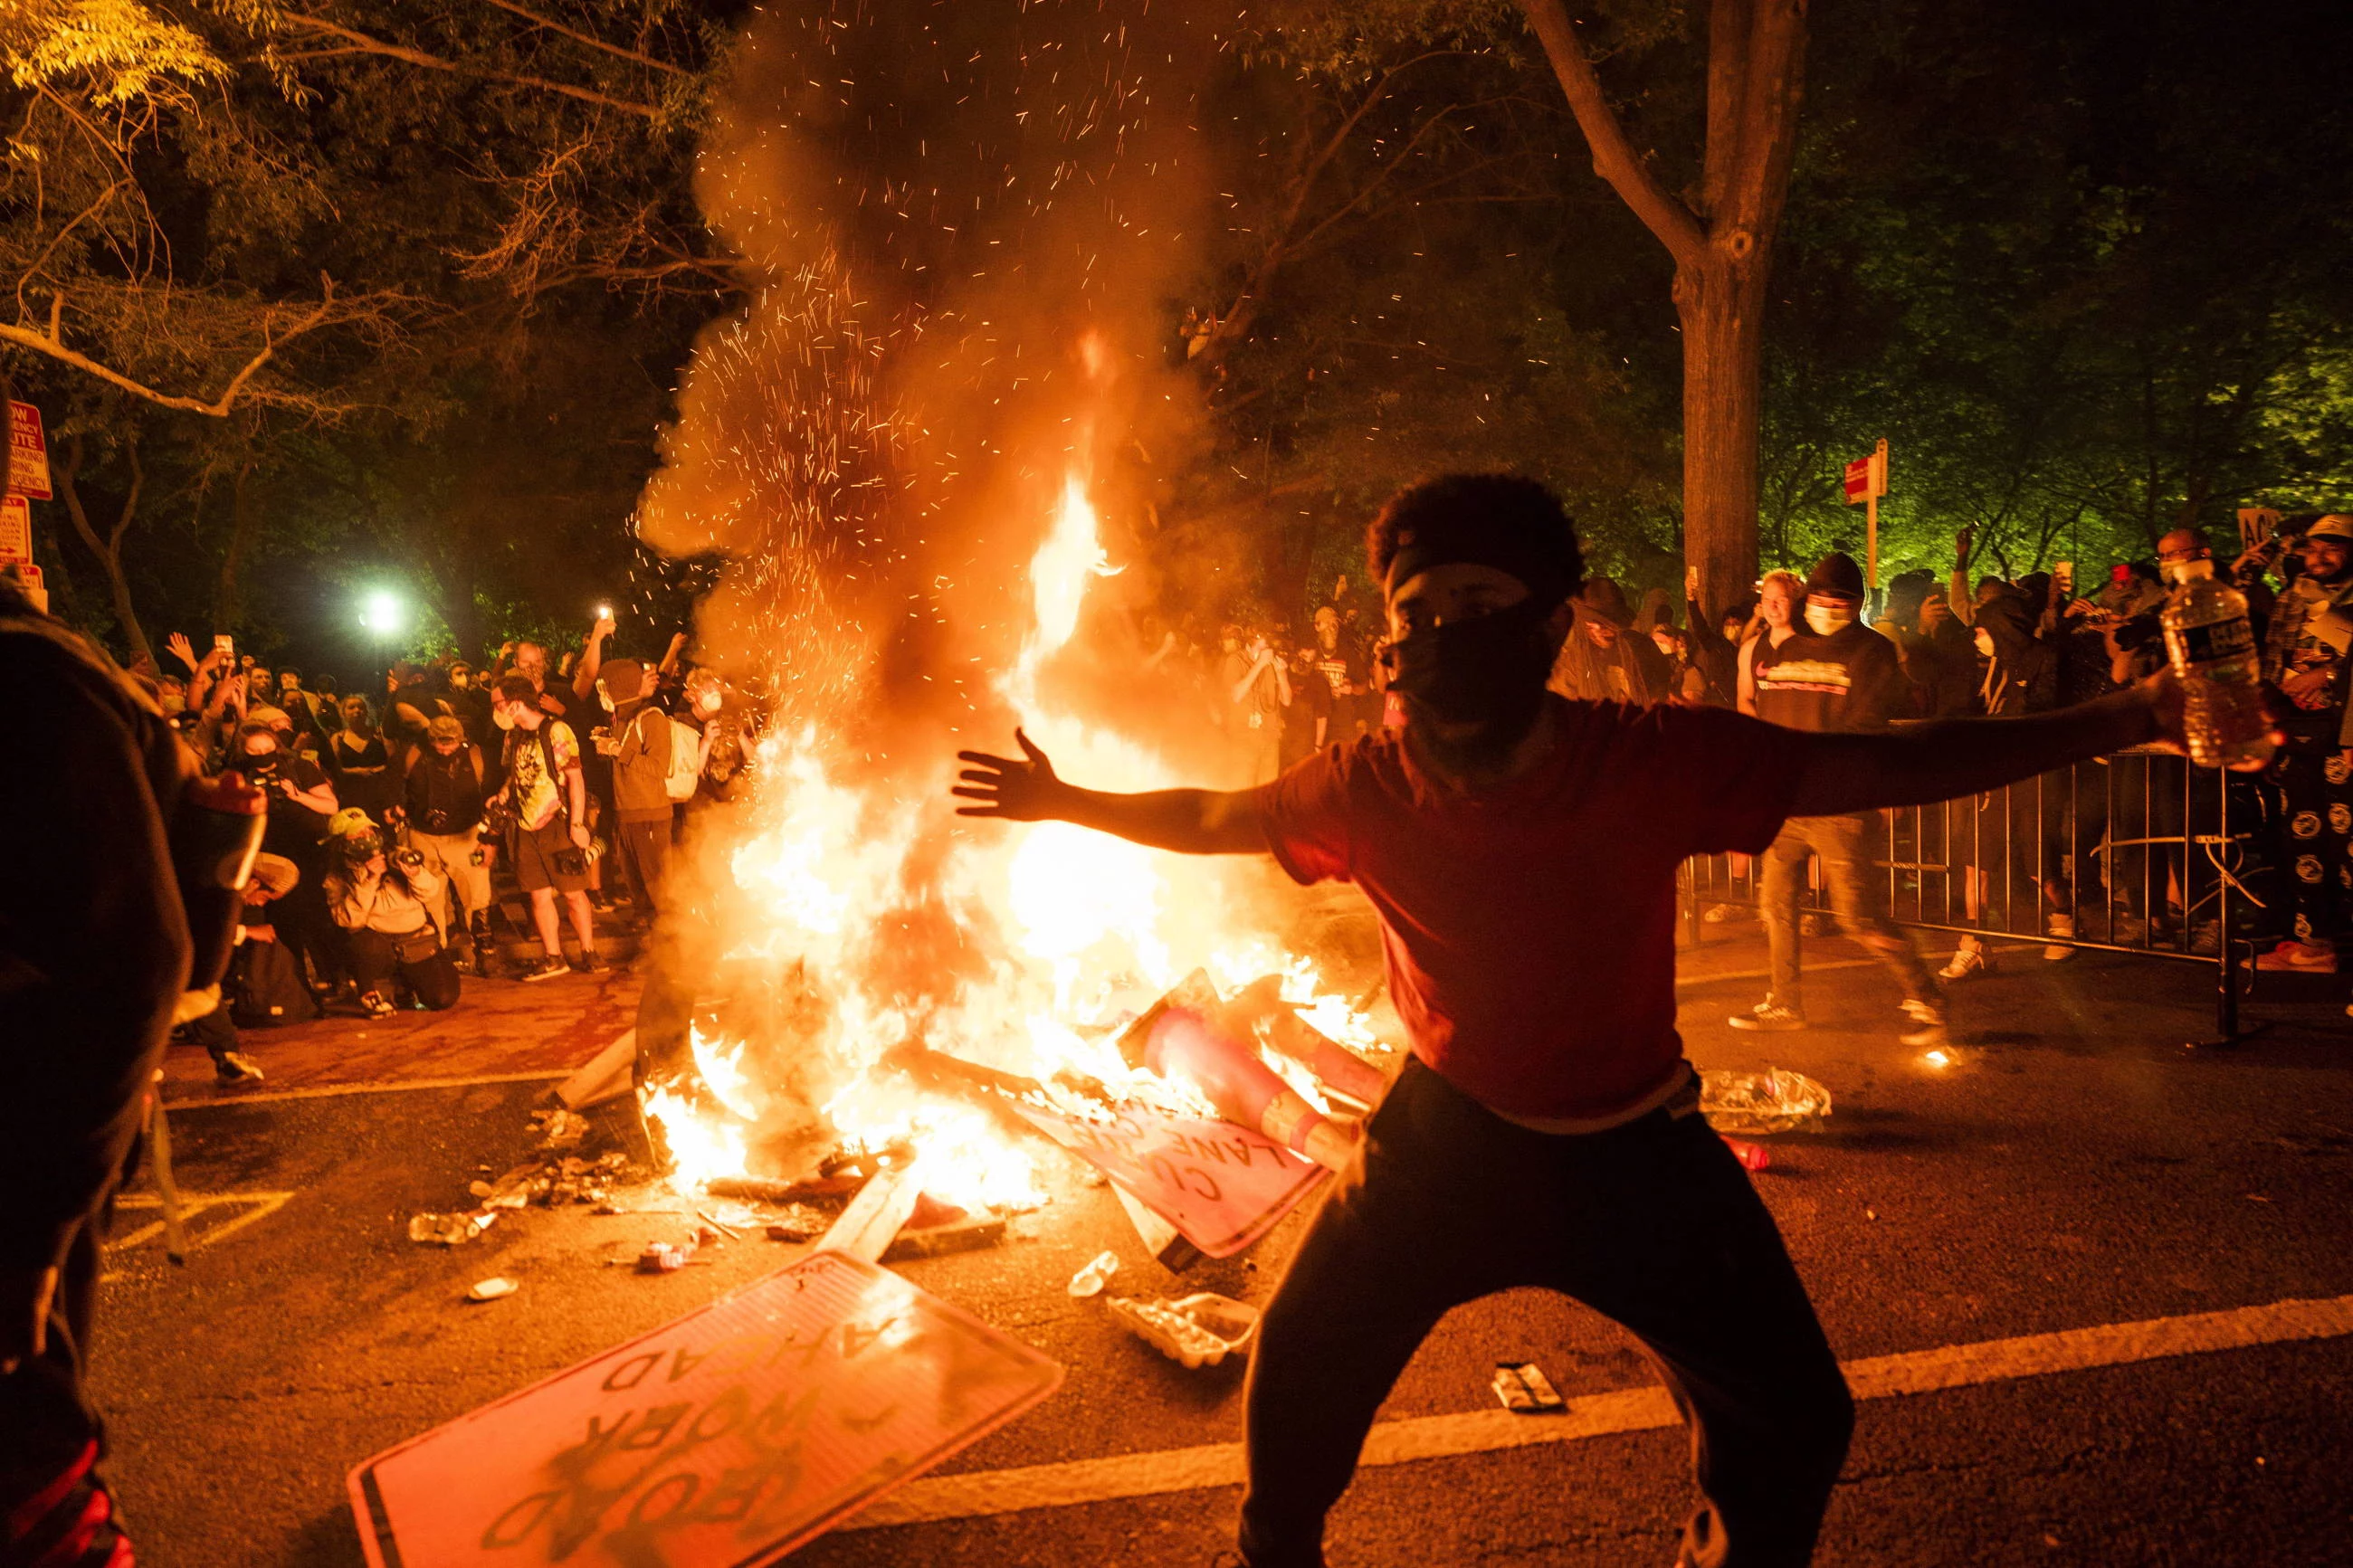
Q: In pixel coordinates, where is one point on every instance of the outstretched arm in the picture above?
(1188, 821)
(1955, 757)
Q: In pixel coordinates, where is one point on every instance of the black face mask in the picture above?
(1489, 670)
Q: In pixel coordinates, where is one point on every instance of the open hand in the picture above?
(179, 647)
(24, 1296)
(1023, 790)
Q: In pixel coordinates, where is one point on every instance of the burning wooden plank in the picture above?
(874, 1216)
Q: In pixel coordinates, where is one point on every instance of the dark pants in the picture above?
(215, 1031)
(644, 848)
(1653, 1225)
(375, 961)
(48, 1429)
(1856, 898)
(303, 923)
(2316, 829)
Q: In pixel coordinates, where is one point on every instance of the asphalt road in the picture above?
(2077, 1169)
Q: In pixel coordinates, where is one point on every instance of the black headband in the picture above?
(1541, 564)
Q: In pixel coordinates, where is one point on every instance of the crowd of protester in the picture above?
(392, 811)
(392, 814)
(2101, 865)
(2104, 861)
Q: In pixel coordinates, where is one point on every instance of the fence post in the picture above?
(2226, 978)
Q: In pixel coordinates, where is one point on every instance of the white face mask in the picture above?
(1823, 619)
(1984, 639)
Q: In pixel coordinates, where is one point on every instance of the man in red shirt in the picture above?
(1521, 850)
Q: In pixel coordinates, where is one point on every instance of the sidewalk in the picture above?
(499, 1030)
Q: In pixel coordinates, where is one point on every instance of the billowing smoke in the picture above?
(970, 221)
(946, 205)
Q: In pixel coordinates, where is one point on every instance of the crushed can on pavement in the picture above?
(447, 1229)
(1752, 1156)
(1523, 1390)
(661, 1258)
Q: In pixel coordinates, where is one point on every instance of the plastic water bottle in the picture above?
(2214, 657)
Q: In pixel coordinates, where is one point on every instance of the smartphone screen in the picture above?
(224, 643)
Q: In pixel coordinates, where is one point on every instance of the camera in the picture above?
(262, 769)
(408, 859)
(574, 861)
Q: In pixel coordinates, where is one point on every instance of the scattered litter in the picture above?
(1090, 1279)
(1752, 1156)
(1525, 1391)
(716, 1229)
(449, 1229)
(1757, 1104)
(492, 1290)
(796, 1231)
(559, 1130)
(661, 1258)
(1198, 1330)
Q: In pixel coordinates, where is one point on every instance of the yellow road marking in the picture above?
(330, 1090)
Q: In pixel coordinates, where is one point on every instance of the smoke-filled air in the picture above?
(925, 451)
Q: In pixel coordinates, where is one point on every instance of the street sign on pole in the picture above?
(1866, 481)
(28, 453)
(16, 530)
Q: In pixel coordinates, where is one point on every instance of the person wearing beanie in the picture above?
(444, 785)
(1521, 851)
(1836, 677)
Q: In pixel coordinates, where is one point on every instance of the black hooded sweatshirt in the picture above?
(2024, 676)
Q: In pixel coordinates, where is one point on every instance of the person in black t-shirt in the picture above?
(443, 784)
(1836, 677)
(359, 762)
(1307, 722)
(302, 800)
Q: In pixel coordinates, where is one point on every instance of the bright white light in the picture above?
(1937, 1059)
(380, 613)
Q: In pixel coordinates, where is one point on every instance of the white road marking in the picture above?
(329, 1090)
(979, 1493)
(264, 1205)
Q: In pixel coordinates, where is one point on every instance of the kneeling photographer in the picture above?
(388, 903)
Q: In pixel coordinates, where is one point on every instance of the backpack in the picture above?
(264, 987)
(685, 756)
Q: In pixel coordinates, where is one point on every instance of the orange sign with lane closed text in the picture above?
(1222, 1185)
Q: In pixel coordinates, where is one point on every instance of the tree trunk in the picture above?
(1721, 304)
(1720, 237)
(240, 532)
(108, 550)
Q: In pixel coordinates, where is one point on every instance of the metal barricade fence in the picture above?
(2134, 852)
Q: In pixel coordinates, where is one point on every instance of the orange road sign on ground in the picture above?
(1223, 1187)
(728, 1438)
